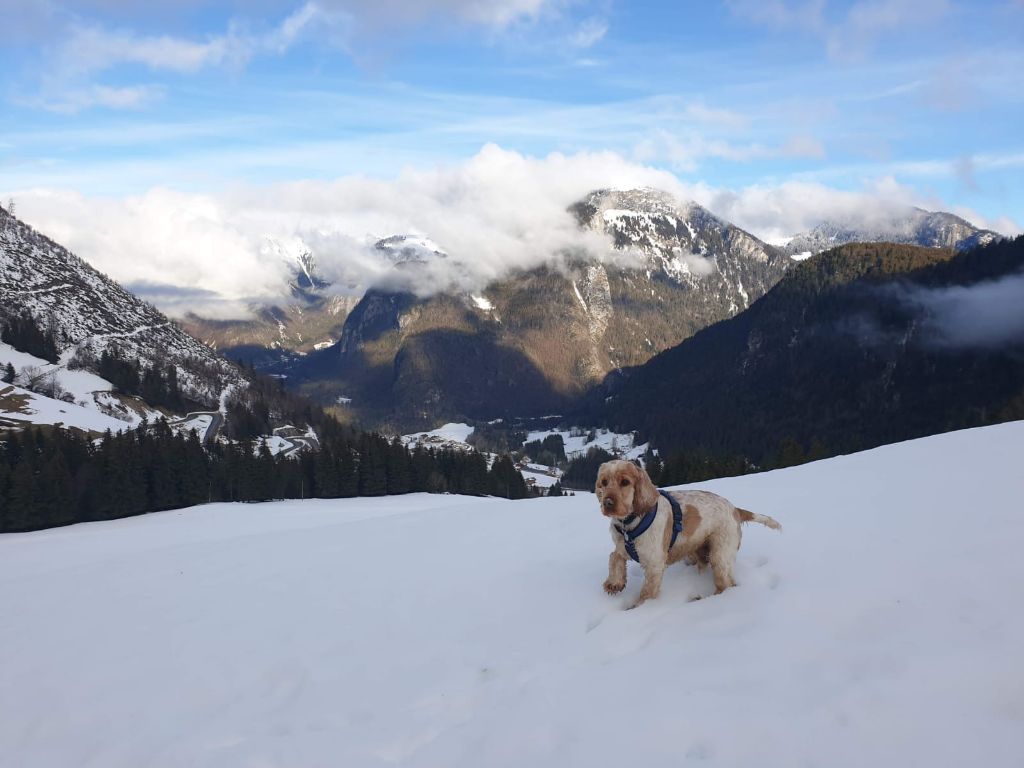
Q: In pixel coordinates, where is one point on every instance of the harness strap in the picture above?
(677, 517)
(630, 536)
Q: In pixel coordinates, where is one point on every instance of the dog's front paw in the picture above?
(614, 587)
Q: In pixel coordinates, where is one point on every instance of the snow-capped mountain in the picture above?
(409, 249)
(687, 243)
(91, 313)
(307, 316)
(300, 262)
(932, 229)
(531, 341)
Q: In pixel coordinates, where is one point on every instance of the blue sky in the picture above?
(773, 113)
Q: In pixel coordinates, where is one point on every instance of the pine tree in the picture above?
(22, 498)
(56, 500)
(8, 376)
(789, 454)
(373, 479)
(348, 473)
(506, 480)
(5, 503)
(398, 468)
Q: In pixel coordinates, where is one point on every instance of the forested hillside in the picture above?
(862, 345)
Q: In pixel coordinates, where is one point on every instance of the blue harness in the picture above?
(632, 535)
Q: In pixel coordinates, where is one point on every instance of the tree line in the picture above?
(57, 477)
(23, 333)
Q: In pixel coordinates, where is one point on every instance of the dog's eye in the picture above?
(605, 481)
(624, 483)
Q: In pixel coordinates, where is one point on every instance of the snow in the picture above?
(880, 627)
(275, 444)
(802, 256)
(18, 359)
(89, 391)
(198, 422)
(452, 434)
(542, 475)
(482, 303)
(577, 444)
(20, 408)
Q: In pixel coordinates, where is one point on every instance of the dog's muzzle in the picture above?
(608, 505)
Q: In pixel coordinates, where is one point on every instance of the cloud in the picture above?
(849, 34)
(495, 212)
(685, 149)
(589, 33)
(498, 211)
(496, 14)
(85, 48)
(988, 314)
(91, 48)
(129, 97)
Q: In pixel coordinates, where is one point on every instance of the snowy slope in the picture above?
(89, 393)
(882, 627)
(20, 408)
(452, 435)
(577, 442)
(92, 313)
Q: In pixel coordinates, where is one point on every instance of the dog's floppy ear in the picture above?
(597, 480)
(645, 494)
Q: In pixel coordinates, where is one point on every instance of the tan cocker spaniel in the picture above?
(645, 526)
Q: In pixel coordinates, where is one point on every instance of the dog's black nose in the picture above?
(609, 503)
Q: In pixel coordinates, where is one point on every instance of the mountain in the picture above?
(88, 313)
(307, 315)
(878, 628)
(409, 249)
(861, 345)
(532, 342)
(916, 227)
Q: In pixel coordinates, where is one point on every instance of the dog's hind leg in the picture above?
(723, 555)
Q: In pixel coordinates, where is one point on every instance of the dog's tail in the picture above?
(747, 516)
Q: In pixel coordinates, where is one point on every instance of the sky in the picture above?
(184, 147)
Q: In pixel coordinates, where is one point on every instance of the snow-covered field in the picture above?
(881, 627)
(578, 442)
(452, 435)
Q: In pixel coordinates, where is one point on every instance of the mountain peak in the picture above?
(409, 249)
(910, 226)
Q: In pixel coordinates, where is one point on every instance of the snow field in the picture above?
(880, 627)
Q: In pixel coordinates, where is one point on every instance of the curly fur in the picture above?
(711, 529)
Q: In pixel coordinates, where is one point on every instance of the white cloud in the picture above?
(86, 49)
(128, 97)
(684, 149)
(89, 49)
(496, 14)
(849, 34)
(589, 33)
(497, 211)
(985, 314)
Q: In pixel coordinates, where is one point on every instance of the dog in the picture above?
(646, 526)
